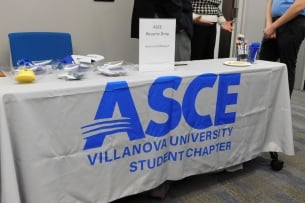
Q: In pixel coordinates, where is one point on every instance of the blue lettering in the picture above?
(212, 148)
(147, 147)
(141, 162)
(228, 145)
(126, 152)
(224, 99)
(161, 98)
(92, 160)
(133, 166)
(149, 165)
(172, 156)
(191, 116)
(107, 158)
(195, 137)
(184, 139)
(115, 155)
(189, 152)
(173, 140)
(157, 145)
(205, 151)
(116, 93)
(215, 133)
(159, 102)
(160, 161)
(197, 152)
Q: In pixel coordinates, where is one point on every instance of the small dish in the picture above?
(237, 63)
(111, 70)
(42, 62)
(114, 68)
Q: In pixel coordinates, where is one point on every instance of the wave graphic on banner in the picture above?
(95, 133)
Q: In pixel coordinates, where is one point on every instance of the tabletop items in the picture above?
(241, 48)
(253, 51)
(245, 54)
(74, 67)
(25, 76)
(71, 67)
(244, 51)
(114, 68)
(237, 63)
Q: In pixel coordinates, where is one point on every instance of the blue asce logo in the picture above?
(117, 94)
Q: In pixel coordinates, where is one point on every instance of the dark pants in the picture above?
(286, 46)
(203, 42)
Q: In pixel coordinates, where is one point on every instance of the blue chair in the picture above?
(36, 46)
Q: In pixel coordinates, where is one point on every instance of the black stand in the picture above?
(276, 164)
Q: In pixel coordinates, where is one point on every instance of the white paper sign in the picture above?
(157, 44)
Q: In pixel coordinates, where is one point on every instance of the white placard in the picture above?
(157, 44)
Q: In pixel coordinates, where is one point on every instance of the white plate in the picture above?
(42, 62)
(237, 63)
(111, 70)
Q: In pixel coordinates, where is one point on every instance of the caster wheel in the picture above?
(277, 165)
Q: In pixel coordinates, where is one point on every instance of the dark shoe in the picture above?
(160, 191)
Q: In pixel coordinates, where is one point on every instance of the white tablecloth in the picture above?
(103, 138)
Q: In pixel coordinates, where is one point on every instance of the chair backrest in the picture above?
(36, 46)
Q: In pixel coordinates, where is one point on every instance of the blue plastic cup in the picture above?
(253, 50)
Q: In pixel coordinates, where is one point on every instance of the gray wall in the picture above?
(251, 19)
(300, 70)
(96, 27)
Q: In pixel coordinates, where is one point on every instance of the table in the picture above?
(103, 138)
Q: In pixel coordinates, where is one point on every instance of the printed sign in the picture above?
(157, 44)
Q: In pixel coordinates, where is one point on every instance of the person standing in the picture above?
(206, 15)
(181, 10)
(283, 34)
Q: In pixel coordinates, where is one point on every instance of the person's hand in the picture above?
(201, 21)
(269, 32)
(227, 26)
